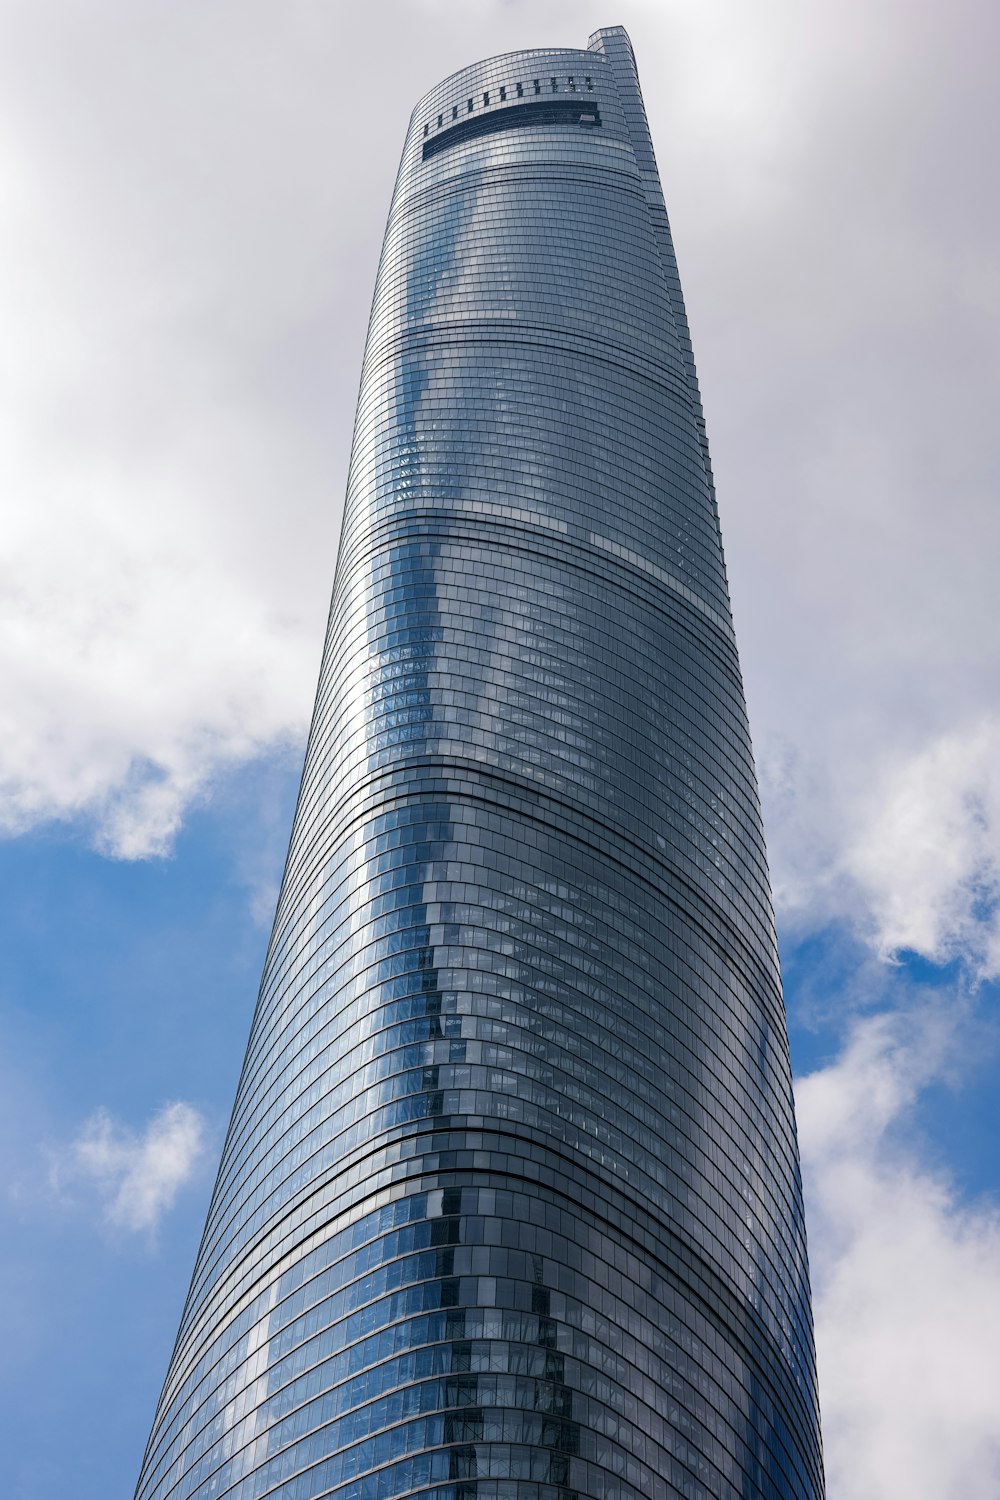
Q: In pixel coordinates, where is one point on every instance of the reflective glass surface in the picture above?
(510, 1203)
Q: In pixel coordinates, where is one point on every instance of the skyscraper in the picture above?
(509, 1205)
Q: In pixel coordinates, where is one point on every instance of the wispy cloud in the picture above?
(135, 1174)
(906, 1278)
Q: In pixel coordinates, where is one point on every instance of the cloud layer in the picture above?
(162, 609)
(840, 261)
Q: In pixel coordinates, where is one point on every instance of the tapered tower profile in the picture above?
(509, 1207)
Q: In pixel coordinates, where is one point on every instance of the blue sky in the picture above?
(112, 970)
(194, 196)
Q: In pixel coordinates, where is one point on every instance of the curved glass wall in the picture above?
(509, 1204)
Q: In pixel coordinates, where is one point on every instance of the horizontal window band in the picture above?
(547, 112)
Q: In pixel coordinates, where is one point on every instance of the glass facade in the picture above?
(509, 1204)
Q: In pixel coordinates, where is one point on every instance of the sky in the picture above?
(192, 200)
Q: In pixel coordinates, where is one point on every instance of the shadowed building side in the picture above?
(509, 1205)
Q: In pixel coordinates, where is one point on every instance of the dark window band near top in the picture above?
(551, 112)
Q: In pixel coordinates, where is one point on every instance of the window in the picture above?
(544, 112)
(440, 121)
(468, 107)
(555, 85)
(520, 90)
(426, 128)
(486, 98)
(503, 93)
(538, 86)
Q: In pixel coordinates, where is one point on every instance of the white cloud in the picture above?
(928, 858)
(905, 847)
(170, 382)
(135, 667)
(137, 1176)
(906, 1278)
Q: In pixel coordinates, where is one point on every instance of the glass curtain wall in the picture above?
(509, 1204)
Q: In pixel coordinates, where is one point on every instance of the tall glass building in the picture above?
(509, 1204)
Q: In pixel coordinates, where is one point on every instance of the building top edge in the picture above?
(585, 54)
(596, 37)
